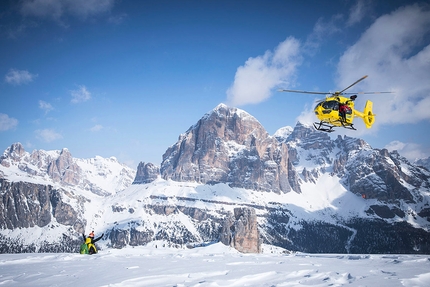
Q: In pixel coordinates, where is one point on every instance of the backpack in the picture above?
(84, 248)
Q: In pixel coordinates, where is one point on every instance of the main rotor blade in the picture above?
(305, 92)
(361, 79)
(363, 93)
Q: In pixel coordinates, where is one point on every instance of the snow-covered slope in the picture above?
(99, 175)
(349, 197)
(213, 265)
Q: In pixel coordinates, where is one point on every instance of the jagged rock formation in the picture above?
(367, 172)
(241, 231)
(229, 145)
(146, 173)
(26, 205)
(60, 167)
(50, 198)
(424, 162)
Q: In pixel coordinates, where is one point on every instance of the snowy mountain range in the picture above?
(309, 192)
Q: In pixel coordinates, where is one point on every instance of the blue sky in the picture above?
(126, 78)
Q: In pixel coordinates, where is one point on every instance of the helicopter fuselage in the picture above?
(339, 111)
(329, 111)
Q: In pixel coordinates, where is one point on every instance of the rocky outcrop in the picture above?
(60, 167)
(367, 172)
(64, 169)
(26, 205)
(146, 173)
(241, 231)
(229, 145)
(424, 162)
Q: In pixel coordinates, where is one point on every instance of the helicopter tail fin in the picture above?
(369, 116)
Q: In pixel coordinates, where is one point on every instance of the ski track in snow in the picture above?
(213, 265)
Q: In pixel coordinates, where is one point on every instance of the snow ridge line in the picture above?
(181, 198)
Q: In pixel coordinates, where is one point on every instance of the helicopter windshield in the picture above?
(330, 105)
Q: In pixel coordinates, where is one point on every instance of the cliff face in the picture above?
(225, 179)
(146, 173)
(240, 231)
(26, 205)
(365, 171)
(98, 175)
(229, 145)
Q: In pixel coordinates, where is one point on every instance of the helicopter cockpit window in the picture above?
(332, 105)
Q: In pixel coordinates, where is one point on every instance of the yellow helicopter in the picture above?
(338, 111)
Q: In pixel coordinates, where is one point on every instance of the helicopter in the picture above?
(336, 110)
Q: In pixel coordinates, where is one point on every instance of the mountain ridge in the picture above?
(343, 196)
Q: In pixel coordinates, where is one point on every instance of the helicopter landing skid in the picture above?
(326, 127)
(348, 126)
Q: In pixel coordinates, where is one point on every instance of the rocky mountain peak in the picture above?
(425, 162)
(15, 152)
(229, 145)
(146, 173)
(99, 175)
(307, 135)
(283, 132)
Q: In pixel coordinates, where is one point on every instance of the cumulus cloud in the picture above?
(395, 53)
(56, 9)
(48, 135)
(307, 116)
(254, 80)
(411, 151)
(80, 95)
(7, 123)
(47, 107)
(19, 77)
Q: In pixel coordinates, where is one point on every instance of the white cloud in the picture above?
(321, 32)
(56, 9)
(411, 151)
(358, 12)
(80, 95)
(7, 123)
(255, 79)
(18, 77)
(307, 116)
(47, 135)
(396, 58)
(96, 128)
(47, 107)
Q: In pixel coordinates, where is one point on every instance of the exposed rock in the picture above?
(26, 205)
(15, 152)
(424, 162)
(62, 211)
(146, 173)
(64, 169)
(229, 145)
(241, 231)
(367, 172)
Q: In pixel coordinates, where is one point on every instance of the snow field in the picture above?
(213, 265)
